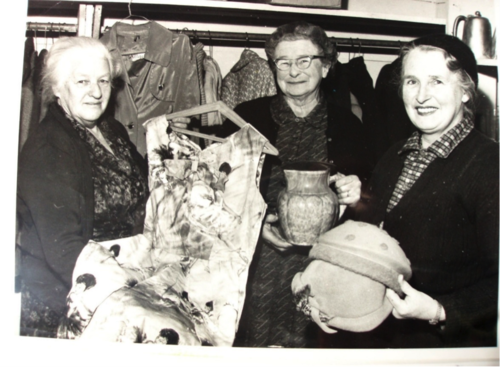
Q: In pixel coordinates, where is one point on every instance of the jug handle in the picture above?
(456, 22)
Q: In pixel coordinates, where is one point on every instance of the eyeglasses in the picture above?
(302, 62)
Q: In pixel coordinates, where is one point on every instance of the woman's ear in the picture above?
(55, 91)
(325, 69)
(465, 98)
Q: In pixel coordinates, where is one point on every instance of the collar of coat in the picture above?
(158, 43)
(444, 145)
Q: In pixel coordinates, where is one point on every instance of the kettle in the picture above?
(476, 34)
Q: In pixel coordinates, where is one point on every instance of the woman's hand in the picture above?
(181, 122)
(348, 188)
(272, 235)
(416, 305)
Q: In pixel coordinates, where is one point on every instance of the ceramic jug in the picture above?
(307, 207)
(476, 34)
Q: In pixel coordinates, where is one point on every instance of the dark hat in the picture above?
(455, 47)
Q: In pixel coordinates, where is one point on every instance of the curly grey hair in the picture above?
(300, 30)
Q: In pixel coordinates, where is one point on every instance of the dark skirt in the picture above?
(37, 319)
(270, 317)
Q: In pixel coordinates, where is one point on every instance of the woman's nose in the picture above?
(294, 70)
(422, 93)
(95, 90)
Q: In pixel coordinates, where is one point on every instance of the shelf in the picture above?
(247, 14)
(488, 67)
(487, 62)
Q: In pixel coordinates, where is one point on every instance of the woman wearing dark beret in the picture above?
(437, 194)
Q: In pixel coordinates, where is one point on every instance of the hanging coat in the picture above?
(250, 78)
(395, 123)
(31, 94)
(159, 75)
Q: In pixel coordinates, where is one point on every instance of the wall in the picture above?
(413, 8)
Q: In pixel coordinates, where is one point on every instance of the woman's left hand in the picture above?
(348, 188)
(181, 122)
(271, 234)
(416, 305)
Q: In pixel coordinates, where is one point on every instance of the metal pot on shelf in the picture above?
(476, 34)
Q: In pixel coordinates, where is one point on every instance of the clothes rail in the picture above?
(51, 27)
(244, 38)
(353, 43)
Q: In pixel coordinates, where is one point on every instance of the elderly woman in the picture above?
(80, 178)
(437, 194)
(304, 124)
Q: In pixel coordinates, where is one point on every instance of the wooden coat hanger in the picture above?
(220, 107)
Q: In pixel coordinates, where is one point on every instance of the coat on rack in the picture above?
(354, 78)
(159, 75)
(31, 94)
(394, 120)
(250, 78)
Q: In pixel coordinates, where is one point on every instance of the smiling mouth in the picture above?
(425, 110)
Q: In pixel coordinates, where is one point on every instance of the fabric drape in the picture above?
(183, 280)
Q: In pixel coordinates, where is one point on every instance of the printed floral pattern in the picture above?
(120, 188)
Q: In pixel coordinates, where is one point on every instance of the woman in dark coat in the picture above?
(79, 178)
(437, 194)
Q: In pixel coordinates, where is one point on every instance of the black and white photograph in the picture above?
(244, 182)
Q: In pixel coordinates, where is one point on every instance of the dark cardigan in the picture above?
(269, 316)
(55, 204)
(447, 224)
(348, 148)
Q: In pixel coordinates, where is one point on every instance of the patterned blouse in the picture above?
(120, 188)
(419, 159)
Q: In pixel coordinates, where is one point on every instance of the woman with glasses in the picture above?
(305, 125)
